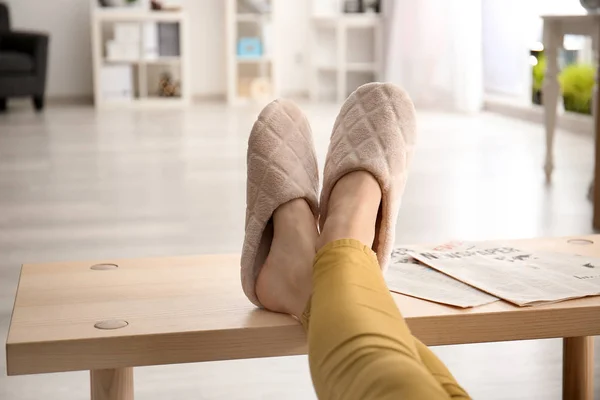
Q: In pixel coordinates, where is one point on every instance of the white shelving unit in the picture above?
(246, 74)
(141, 66)
(333, 64)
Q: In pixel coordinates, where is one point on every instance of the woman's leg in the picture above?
(440, 372)
(359, 345)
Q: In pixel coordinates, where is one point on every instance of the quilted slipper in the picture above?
(375, 131)
(282, 166)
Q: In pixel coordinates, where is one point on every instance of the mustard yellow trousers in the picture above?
(359, 345)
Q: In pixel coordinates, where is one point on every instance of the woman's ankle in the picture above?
(352, 211)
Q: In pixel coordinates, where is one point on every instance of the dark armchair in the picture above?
(23, 63)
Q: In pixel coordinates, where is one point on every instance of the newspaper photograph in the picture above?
(518, 276)
(410, 277)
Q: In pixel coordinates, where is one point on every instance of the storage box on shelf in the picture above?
(140, 57)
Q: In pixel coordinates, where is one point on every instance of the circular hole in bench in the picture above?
(580, 241)
(111, 324)
(103, 267)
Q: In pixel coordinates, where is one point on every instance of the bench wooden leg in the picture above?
(112, 384)
(578, 368)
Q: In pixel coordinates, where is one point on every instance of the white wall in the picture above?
(70, 73)
(70, 65)
(509, 29)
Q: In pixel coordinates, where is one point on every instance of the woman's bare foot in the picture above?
(284, 283)
(352, 210)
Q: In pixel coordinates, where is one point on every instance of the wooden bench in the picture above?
(111, 316)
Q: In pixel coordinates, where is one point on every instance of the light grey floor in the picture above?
(77, 184)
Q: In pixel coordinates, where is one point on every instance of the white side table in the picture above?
(555, 27)
(577, 377)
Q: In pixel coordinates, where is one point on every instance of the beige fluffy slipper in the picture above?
(282, 166)
(374, 132)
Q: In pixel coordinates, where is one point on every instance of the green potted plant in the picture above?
(538, 72)
(577, 86)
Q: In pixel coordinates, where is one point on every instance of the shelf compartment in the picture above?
(359, 47)
(253, 17)
(250, 77)
(361, 67)
(154, 74)
(253, 60)
(355, 79)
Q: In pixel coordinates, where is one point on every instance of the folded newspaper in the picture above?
(408, 276)
(518, 276)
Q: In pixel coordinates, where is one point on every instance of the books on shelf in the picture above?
(168, 40)
(148, 41)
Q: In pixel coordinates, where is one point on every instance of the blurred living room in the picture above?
(124, 127)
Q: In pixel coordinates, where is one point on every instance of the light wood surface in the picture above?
(112, 384)
(578, 368)
(190, 309)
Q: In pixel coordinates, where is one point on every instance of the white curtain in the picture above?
(433, 49)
